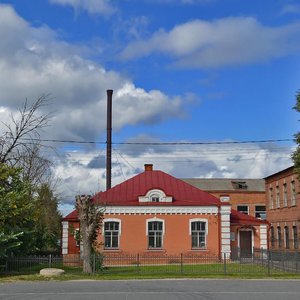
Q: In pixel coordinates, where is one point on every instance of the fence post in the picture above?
(262, 256)
(181, 263)
(268, 258)
(50, 260)
(94, 263)
(225, 268)
(138, 263)
(296, 260)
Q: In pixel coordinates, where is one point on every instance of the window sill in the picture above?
(111, 249)
(156, 250)
(199, 249)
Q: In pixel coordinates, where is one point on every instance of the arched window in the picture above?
(112, 231)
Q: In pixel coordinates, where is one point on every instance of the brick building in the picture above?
(155, 213)
(282, 194)
(244, 195)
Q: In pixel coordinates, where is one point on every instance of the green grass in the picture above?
(233, 271)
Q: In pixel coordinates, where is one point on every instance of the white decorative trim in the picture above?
(65, 237)
(162, 196)
(225, 211)
(155, 220)
(173, 210)
(112, 220)
(198, 220)
(225, 198)
(263, 237)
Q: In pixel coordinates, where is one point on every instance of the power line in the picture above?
(161, 143)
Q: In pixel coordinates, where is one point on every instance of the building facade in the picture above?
(245, 195)
(283, 211)
(155, 213)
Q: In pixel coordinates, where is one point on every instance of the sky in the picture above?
(204, 75)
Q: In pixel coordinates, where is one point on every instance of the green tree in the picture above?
(48, 225)
(296, 154)
(16, 210)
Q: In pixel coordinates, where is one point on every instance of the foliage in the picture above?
(296, 154)
(8, 242)
(16, 208)
(33, 213)
(27, 201)
(48, 224)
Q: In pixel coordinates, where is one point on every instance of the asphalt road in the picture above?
(154, 290)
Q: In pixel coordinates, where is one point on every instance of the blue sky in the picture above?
(181, 70)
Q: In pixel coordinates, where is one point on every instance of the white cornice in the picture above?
(145, 210)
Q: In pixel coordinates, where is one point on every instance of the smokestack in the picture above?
(108, 139)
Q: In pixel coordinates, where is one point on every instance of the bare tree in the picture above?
(20, 143)
(23, 131)
(90, 217)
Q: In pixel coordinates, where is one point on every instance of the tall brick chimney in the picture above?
(148, 167)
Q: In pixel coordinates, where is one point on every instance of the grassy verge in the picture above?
(230, 271)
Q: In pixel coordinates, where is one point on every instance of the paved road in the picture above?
(154, 290)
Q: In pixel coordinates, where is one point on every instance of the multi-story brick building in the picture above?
(244, 195)
(283, 211)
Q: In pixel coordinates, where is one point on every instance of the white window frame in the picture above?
(277, 197)
(119, 232)
(206, 231)
(284, 193)
(293, 193)
(163, 232)
(242, 211)
(271, 198)
(265, 212)
(77, 242)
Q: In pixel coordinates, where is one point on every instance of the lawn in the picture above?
(230, 270)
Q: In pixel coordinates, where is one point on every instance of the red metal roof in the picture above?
(238, 218)
(183, 194)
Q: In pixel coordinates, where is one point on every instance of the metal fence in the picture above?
(259, 261)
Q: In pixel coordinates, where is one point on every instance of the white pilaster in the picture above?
(225, 211)
(65, 236)
(263, 237)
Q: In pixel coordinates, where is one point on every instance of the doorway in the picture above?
(245, 243)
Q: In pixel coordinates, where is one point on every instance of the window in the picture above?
(271, 203)
(198, 233)
(260, 212)
(293, 193)
(277, 197)
(155, 195)
(285, 200)
(295, 237)
(155, 234)
(155, 198)
(111, 234)
(279, 237)
(272, 237)
(77, 237)
(239, 185)
(243, 209)
(286, 237)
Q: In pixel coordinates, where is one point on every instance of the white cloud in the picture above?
(228, 41)
(99, 7)
(40, 63)
(290, 9)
